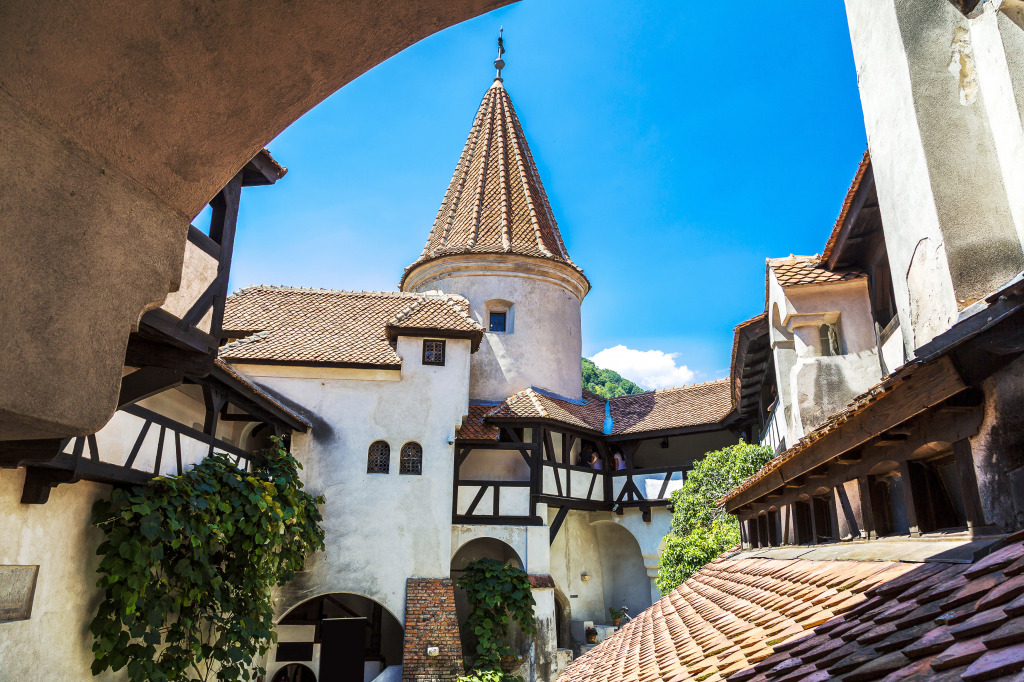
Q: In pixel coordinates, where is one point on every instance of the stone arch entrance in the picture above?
(340, 633)
(563, 614)
(480, 548)
(625, 578)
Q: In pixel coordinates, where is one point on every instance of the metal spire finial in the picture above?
(499, 63)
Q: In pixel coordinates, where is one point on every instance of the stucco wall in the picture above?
(381, 528)
(814, 387)
(546, 299)
(54, 644)
(618, 553)
(935, 123)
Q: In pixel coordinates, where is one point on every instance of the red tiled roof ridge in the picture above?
(670, 389)
(865, 161)
(354, 292)
(450, 299)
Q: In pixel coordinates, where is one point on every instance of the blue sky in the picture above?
(680, 143)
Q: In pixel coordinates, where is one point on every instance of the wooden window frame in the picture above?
(504, 321)
(444, 352)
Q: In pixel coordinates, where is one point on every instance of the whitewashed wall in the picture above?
(381, 528)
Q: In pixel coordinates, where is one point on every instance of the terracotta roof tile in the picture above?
(343, 328)
(851, 193)
(495, 202)
(672, 408)
(473, 426)
(799, 270)
(706, 627)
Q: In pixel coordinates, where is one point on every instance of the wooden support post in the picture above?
(969, 483)
(908, 500)
(867, 511)
(215, 400)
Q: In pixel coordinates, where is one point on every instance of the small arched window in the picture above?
(378, 459)
(411, 461)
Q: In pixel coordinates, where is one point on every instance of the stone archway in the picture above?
(480, 548)
(149, 108)
(301, 637)
(626, 582)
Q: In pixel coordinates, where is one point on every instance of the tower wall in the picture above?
(544, 344)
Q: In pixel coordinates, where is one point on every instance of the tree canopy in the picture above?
(701, 530)
(605, 382)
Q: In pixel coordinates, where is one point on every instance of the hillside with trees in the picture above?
(605, 382)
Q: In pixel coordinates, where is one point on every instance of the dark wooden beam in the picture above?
(147, 353)
(864, 190)
(916, 392)
(16, 453)
(557, 524)
(146, 382)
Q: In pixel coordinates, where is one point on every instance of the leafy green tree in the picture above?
(188, 565)
(605, 382)
(701, 530)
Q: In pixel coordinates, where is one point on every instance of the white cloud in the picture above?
(651, 369)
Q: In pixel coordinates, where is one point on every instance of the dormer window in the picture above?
(497, 322)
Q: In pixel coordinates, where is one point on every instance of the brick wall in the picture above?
(430, 621)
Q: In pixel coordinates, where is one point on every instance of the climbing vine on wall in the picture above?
(188, 564)
(499, 594)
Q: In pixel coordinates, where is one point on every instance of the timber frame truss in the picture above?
(226, 399)
(554, 479)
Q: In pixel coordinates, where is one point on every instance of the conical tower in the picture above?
(496, 242)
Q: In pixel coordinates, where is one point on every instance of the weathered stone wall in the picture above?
(944, 131)
(430, 621)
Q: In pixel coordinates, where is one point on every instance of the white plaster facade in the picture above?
(544, 298)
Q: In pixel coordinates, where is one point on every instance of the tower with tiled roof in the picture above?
(496, 242)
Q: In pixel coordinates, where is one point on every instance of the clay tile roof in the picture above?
(799, 270)
(533, 403)
(473, 425)
(285, 325)
(672, 408)
(756, 619)
(858, 177)
(495, 202)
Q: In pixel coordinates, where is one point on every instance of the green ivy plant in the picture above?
(498, 594)
(188, 565)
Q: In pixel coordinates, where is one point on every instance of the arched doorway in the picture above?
(336, 636)
(626, 582)
(294, 672)
(481, 548)
(563, 613)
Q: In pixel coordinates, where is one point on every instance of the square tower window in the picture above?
(497, 322)
(433, 352)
